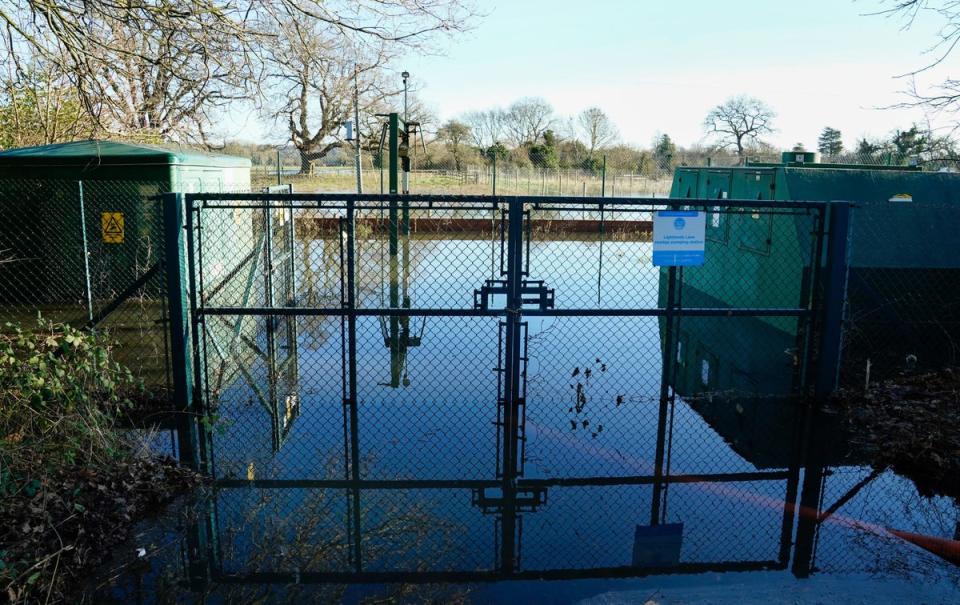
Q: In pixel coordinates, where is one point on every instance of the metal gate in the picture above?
(524, 351)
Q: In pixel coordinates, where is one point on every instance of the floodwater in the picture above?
(725, 525)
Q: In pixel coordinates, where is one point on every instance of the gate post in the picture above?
(828, 361)
(666, 379)
(351, 376)
(511, 384)
(834, 299)
(181, 355)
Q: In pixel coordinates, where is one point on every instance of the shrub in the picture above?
(60, 392)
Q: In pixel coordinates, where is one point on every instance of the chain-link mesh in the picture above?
(860, 507)
(904, 290)
(378, 364)
(88, 253)
(438, 168)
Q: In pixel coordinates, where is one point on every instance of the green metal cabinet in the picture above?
(904, 267)
(83, 225)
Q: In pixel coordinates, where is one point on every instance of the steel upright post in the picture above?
(86, 253)
(603, 178)
(352, 378)
(181, 353)
(512, 390)
(665, 380)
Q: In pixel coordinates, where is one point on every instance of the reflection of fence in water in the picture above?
(452, 422)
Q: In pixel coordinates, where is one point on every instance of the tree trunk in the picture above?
(304, 162)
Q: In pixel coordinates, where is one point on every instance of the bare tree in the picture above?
(172, 67)
(313, 81)
(155, 67)
(945, 96)
(597, 128)
(527, 119)
(737, 121)
(486, 127)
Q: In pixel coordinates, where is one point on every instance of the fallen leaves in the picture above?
(910, 423)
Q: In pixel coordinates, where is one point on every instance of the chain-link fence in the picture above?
(512, 368)
(904, 289)
(88, 253)
(366, 347)
(437, 168)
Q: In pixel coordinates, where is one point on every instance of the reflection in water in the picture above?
(750, 479)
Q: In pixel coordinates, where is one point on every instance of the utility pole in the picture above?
(405, 187)
(356, 124)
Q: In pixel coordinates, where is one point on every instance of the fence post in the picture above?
(511, 383)
(494, 174)
(834, 279)
(834, 297)
(86, 254)
(666, 378)
(279, 170)
(603, 178)
(351, 377)
(181, 354)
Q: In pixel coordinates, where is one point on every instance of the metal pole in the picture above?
(356, 125)
(511, 385)
(395, 362)
(181, 354)
(834, 277)
(279, 171)
(352, 380)
(86, 254)
(494, 174)
(270, 319)
(406, 173)
(603, 178)
(665, 378)
(835, 291)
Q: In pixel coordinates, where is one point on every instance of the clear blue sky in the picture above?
(658, 66)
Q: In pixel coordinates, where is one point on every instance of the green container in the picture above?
(904, 280)
(81, 229)
(116, 184)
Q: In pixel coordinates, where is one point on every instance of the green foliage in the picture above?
(37, 108)
(912, 141)
(830, 143)
(592, 164)
(664, 150)
(498, 151)
(60, 391)
(543, 156)
(866, 147)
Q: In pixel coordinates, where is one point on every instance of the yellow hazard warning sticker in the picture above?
(111, 226)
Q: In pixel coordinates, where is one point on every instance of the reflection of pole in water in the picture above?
(399, 338)
(319, 283)
(395, 361)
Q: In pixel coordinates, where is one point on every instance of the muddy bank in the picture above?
(59, 528)
(910, 423)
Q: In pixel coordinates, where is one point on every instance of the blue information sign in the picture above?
(678, 238)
